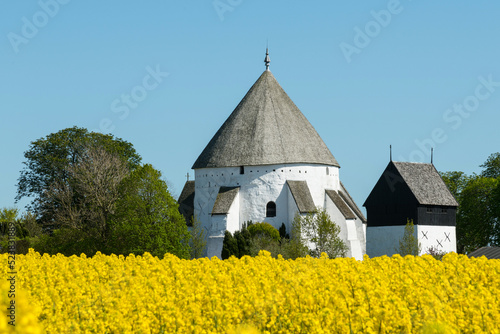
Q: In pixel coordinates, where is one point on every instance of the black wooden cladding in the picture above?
(437, 215)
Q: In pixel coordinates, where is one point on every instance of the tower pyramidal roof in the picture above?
(266, 128)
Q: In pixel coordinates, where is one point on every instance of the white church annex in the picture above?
(265, 164)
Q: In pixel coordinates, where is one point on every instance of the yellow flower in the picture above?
(142, 294)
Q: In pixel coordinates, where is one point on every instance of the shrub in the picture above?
(436, 253)
(282, 230)
(265, 230)
(229, 246)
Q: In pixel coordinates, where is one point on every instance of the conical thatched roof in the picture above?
(265, 128)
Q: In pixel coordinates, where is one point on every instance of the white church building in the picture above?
(267, 163)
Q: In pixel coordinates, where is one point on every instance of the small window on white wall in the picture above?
(271, 209)
(327, 171)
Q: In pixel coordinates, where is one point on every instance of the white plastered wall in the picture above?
(258, 186)
(219, 224)
(351, 230)
(261, 184)
(338, 218)
(361, 232)
(441, 238)
(214, 246)
(356, 245)
(292, 210)
(233, 215)
(383, 240)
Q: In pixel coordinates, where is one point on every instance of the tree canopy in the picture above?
(319, 233)
(49, 161)
(148, 217)
(91, 193)
(478, 215)
(492, 166)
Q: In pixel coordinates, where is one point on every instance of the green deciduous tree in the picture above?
(8, 215)
(492, 166)
(408, 244)
(91, 194)
(320, 233)
(292, 248)
(87, 198)
(198, 241)
(477, 221)
(478, 214)
(49, 161)
(28, 220)
(456, 182)
(26, 229)
(147, 218)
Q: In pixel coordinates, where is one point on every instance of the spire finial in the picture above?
(267, 60)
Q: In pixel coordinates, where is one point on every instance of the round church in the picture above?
(267, 163)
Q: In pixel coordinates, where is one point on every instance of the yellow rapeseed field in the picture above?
(142, 294)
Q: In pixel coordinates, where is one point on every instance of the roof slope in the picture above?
(186, 202)
(488, 252)
(348, 199)
(425, 183)
(340, 204)
(224, 200)
(302, 196)
(265, 128)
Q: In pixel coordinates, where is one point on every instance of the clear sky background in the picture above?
(413, 74)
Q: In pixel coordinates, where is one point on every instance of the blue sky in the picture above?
(413, 74)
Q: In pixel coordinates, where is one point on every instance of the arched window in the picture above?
(271, 209)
